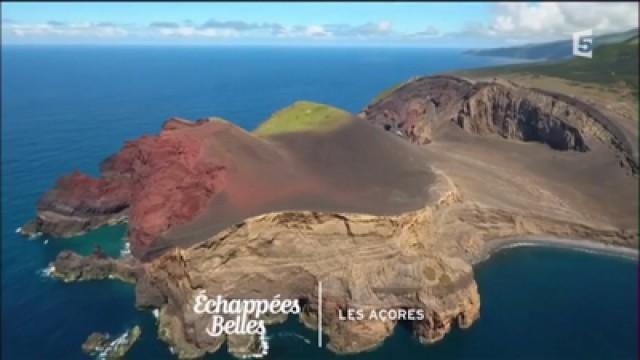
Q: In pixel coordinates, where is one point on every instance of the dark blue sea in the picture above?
(66, 108)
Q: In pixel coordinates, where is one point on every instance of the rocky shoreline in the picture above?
(70, 267)
(101, 345)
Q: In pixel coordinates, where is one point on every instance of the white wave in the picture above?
(18, 230)
(264, 347)
(126, 250)
(295, 335)
(46, 272)
(156, 313)
(104, 352)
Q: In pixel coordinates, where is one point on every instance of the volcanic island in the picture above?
(429, 179)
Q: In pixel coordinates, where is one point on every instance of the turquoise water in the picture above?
(70, 107)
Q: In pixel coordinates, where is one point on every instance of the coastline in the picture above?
(499, 244)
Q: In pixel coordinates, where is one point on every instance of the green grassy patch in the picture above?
(303, 116)
(611, 63)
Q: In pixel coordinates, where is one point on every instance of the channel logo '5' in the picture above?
(583, 43)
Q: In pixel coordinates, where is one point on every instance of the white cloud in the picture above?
(84, 29)
(216, 28)
(428, 32)
(191, 31)
(316, 31)
(366, 30)
(187, 29)
(303, 31)
(211, 28)
(509, 23)
(384, 27)
(557, 19)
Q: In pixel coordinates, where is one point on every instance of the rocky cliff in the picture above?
(420, 107)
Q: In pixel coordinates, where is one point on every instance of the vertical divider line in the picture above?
(320, 314)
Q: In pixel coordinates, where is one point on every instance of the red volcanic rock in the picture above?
(78, 203)
(169, 179)
(171, 182)
(157, 181)
(79, 192)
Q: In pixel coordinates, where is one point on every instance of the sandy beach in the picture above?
(496, 245)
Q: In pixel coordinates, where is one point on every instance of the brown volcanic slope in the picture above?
(354, 168)
(196, 179)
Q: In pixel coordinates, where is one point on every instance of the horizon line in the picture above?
(334, 45)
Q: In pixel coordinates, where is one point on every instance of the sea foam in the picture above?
(46, 272)
(126, 250)
(122, 339)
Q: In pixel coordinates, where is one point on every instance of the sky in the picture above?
(469, 24)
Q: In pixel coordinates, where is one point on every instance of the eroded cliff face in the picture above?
(418, 109)
(518, 115)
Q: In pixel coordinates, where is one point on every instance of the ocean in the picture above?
(66, 108)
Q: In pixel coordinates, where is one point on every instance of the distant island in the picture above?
(390, 207)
